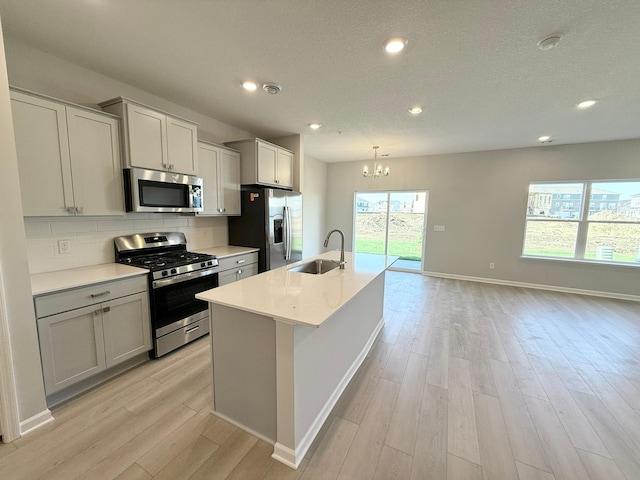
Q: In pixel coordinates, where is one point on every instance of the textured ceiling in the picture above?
(474, 66)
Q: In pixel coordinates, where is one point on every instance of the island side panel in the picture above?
(244, 369)
(326, 358)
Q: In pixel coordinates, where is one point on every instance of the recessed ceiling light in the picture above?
(545, 139)
(587, 104)
(549, 42)
(249, 86)
(395, 45)
(415, 110)
(315, 126)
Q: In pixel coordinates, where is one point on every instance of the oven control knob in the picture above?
(203, 264)
(165, 273)
(174, 271)
(210, 263)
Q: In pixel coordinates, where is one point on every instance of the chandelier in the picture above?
(377, 168)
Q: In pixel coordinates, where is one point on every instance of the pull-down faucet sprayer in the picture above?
(326, 244)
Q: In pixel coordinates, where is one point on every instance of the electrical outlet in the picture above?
(438, 228)
(492, 265)
(64, 246)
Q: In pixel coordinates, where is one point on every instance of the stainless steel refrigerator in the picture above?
(271, 220)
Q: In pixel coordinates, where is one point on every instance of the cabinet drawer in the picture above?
(81, 297)
(236, 261)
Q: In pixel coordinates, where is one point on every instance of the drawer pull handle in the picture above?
(240, 261)
(106, 309)
(101, 294)
(187, 332)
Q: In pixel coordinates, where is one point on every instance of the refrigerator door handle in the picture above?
(290, 233)
(285, 215)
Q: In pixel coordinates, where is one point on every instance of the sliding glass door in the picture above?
(391, 223)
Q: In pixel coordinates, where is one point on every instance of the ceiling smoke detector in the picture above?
(549, 42)
(271, 88)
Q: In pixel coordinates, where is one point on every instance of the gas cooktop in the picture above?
(164, 260)
(164, 254)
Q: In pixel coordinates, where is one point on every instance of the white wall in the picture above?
(15, 274)
(313, 206)
(481, 198)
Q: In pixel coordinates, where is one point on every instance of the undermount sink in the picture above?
(316, 267)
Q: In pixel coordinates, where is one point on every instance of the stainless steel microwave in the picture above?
(155, 191)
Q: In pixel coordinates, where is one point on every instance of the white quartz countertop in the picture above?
(42, 283)
(226, 250)
(301, 297)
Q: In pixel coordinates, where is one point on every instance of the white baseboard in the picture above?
(242, 426)
(285, 455)
(537, 286)
(293, 458)
(35, 421)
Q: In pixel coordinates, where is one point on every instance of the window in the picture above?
(590, 230)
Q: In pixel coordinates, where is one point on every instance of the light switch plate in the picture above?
(438, 228)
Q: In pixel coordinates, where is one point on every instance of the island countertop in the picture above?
(301, 298)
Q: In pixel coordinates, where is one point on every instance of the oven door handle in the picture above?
(185, 277)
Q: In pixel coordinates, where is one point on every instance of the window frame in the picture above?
(582, 221)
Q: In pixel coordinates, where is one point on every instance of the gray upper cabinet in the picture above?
(219, 168)
(68, 158)
(264, 163)
(154, 139)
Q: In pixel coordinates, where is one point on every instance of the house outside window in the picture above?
(577, 224)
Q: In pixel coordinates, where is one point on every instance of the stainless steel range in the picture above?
(175, 277)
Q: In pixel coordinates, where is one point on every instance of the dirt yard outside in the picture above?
(405, 234)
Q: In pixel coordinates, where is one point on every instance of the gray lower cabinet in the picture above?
(100, 327)
(237, 267)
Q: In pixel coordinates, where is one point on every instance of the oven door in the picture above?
(173, 301)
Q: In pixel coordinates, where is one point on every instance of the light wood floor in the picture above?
(467, 381)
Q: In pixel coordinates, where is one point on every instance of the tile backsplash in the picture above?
(91, 238)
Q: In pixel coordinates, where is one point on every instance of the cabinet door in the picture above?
(230, 181)
(208, 166)
(247, 271)
(43, 155)
(284, 172)
(94, 148)
(71, 346)
(127, 328)
(267, 158)
(146, 137)
(182, 146)
(226, 277)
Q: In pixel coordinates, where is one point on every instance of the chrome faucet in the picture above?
(326, 243)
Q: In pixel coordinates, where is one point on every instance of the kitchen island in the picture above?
(286, 344)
